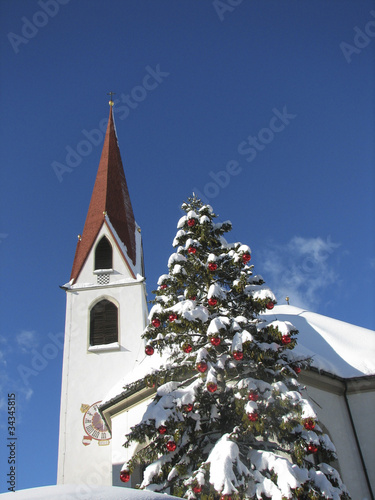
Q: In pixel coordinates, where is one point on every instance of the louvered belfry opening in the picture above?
(103, 254)
(103, 323)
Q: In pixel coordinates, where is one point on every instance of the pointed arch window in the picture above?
(103, 254)
(103, 323)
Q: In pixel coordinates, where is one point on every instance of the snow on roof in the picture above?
(336, 347)
(76, 491)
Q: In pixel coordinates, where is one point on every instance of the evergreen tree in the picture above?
(228, 419)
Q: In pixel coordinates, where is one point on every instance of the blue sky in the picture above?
(264, 107)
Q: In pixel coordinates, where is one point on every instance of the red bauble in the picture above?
(172, 317)
(162, 429)
(156, 322)
(246, 258)
(297, 369)
(285, 339)
(211, 387)
(124, 476)
(309, 424)
(163, 287)
(253, 396)
(215, 341)
(212, 266)
(187, 348)
(197, 489)
(191, 222)
(171, 446)
(192, 297)
(238, 355)
(202, 366)
(253, 417)
(212, 302)
(225, 497)
(192, 250)
(311, 448)
(189, 407)
(149, 350)
(270, 305)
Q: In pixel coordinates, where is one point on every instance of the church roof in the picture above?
(336, 348)
(110, 197)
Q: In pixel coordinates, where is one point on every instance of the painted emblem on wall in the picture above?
(94, 425)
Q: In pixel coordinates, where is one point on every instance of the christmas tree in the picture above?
(228, 419)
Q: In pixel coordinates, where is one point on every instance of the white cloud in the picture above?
(26, 340)
(299, 269)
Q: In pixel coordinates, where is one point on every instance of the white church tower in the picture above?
(106, 312)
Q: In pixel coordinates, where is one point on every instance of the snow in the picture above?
(288, 475)
(216, 291)
(224, 457)
(83, 492)
(336, 347)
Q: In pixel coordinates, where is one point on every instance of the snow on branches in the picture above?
(228, 417)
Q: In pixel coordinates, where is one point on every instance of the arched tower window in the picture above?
(103, 323)
(103, 254)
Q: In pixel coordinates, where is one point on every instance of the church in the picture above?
(104, 381)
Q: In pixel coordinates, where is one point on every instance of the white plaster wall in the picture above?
(362, 407)
(121, 425)
(87, 376)
(332, 412)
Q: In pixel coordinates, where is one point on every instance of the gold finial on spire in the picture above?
(111, 103)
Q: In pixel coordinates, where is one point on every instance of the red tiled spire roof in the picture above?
(110, 195)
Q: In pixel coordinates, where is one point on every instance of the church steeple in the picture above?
(110, 202)
(106, 313)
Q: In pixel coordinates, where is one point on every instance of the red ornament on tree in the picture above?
(202, 366)
(192, 250)
(212, 266)
(238, 355)
(309, 424)
(246, 258)
(253, 396)
(197, 489)
(172, 317)
(156, 322)
(192, 297)
(162, 429)
(149, 350)
(211, 387)
(187, 348)
(124, 476)
(270, 305)
(215, 341)
(171, 446)
(212, 301)
(163, 287)
(189, 407)
(191, 222)
(311, 448)
(285, 339)
(225, 497)
(253, 417)
(297, 369)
